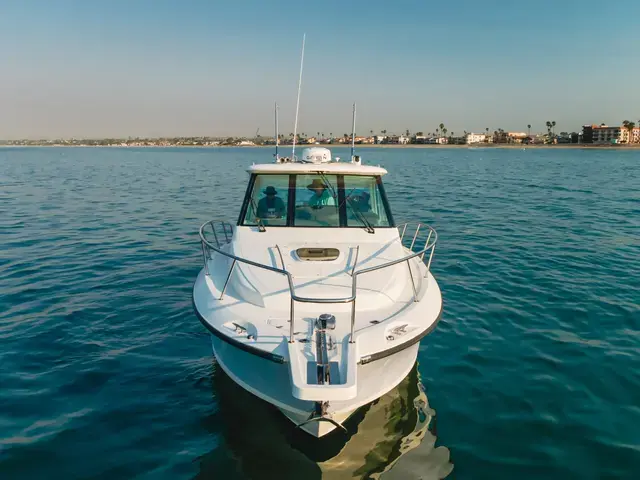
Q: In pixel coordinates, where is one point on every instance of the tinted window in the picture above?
(268, 200)
(316, 201)
(363, 200)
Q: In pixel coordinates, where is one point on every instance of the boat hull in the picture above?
(271, 382)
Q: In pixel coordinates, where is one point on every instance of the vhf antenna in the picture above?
(277, 136)
(295, 125)
(353, 132)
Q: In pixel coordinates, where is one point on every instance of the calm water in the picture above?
(534, 370)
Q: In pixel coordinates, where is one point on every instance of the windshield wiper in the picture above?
(359, 215)
(261, 226)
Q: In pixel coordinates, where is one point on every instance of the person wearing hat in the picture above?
(271, 206)
(321, 196)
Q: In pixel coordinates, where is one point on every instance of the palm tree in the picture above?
(549, 126)
(437, 132)
(629, 126)
(384, 132)
(529, 130)
(444, 130)
(553, 127)
(442, 127)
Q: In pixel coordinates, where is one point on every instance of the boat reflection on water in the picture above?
(391, 438)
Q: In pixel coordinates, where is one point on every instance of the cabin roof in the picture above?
(346, 168)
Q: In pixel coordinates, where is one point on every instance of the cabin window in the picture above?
(268, 202)
(364, 202)
(316, 202)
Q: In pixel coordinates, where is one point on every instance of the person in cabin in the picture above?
(360, 202)
(321, 195)
(271, 206)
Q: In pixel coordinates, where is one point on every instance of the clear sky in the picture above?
(96, 68)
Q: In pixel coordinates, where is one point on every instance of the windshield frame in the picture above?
(290, 220)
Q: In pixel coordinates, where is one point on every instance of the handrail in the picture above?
(206, 246)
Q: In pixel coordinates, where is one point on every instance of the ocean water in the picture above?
(533, 372)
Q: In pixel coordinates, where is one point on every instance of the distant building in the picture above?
(403, 140)
(475, 138)
(633, 138)
(603, 134)
(517, 137)
(587, 133)
(377, 139)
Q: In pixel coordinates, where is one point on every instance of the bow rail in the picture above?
(223, 234)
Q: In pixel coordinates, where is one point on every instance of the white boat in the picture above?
(316, 300)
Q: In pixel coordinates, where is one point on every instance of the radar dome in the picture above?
(316, 155)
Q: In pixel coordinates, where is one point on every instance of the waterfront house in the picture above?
(475, 138)
(517, 137)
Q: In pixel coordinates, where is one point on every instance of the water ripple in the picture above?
(534, 369)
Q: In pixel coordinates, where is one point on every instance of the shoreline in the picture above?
(359, 146)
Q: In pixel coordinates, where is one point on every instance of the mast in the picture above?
(295, 125)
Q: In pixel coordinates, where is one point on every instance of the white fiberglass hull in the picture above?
(271, 382)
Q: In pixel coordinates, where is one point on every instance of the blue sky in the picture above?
(150, 68)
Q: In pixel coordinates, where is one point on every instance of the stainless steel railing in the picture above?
(221, 228)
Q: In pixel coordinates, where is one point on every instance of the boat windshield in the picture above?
(316, 200)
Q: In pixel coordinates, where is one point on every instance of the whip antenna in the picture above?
(295, 125)
(353, 131)
(277, 136)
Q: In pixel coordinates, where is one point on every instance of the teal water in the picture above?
(534, 370)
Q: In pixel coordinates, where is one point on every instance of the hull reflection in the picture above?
(391, 438)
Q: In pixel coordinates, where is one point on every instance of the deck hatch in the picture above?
(317, 254)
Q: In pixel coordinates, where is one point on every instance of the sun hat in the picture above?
(316, 183)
